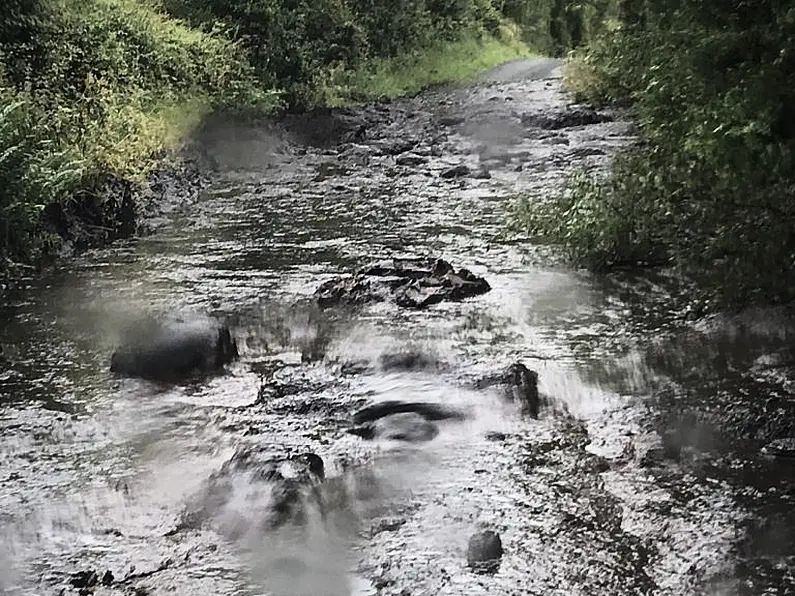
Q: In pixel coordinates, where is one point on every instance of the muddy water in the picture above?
(652, 484)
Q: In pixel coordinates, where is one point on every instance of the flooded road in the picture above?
(646, 479)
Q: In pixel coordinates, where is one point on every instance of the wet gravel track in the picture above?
(648, 485)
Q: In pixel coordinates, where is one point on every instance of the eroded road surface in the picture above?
(641, 475)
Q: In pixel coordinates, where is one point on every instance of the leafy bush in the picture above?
(33, 172)
(442, 62)
(556, 26)
(97, 88)
(712, 182)
(305, 46)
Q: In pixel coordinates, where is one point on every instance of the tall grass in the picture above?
(97, 88)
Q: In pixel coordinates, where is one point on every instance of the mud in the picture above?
(647, 477)
(118, 209)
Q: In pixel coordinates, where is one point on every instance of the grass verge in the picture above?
(460, 61)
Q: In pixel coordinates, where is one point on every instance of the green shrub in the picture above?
(94, 89)
(556, 26)
(383, 79)
(711, 184)
(305, 46)
(34, 172)
(98, 88)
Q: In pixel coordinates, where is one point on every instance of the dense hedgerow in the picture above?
(710, 187)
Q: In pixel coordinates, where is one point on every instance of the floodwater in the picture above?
(652, 483)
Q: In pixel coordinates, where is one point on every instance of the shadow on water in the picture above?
(646, 479)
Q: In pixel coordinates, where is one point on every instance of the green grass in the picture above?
(448, 62)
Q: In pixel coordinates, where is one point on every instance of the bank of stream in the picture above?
(647, 480)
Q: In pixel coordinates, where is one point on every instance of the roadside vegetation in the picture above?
(709, 188)
(97, 91)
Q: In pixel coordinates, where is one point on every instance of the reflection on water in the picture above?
(646, 488)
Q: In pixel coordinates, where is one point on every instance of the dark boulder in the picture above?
(174, 349)
(484, 552)
(352, 291)
(412, 422)
(519, 384)
(407, 283)
(523, 386)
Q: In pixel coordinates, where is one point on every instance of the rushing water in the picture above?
(652, 485)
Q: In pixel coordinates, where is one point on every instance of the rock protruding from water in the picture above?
(484, 552)
(523, 386)
(780, 448)
(402, 361)
(87, 581)
(288, 485)
(519, 384)
(408, 283)
(174, 349)
(412, 422)
(578, 116)
(408, 360)
(458, 171)
(427, 410)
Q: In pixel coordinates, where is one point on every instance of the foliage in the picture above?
(99, 89)
(300, 47)
(33, 172)
(388, 78)
(556, 26)
(94, 88)
(711, 183)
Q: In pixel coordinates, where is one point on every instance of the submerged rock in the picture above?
(287, 484)
(780, 448)
(451, 120)
(458, 171)
(429, 411)
(402, 361)
(87, 581)
(174, 349)
(408, 427)
(410, 284)
(410, 159)
(484, 552)
(406, 361)
(413, 422)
